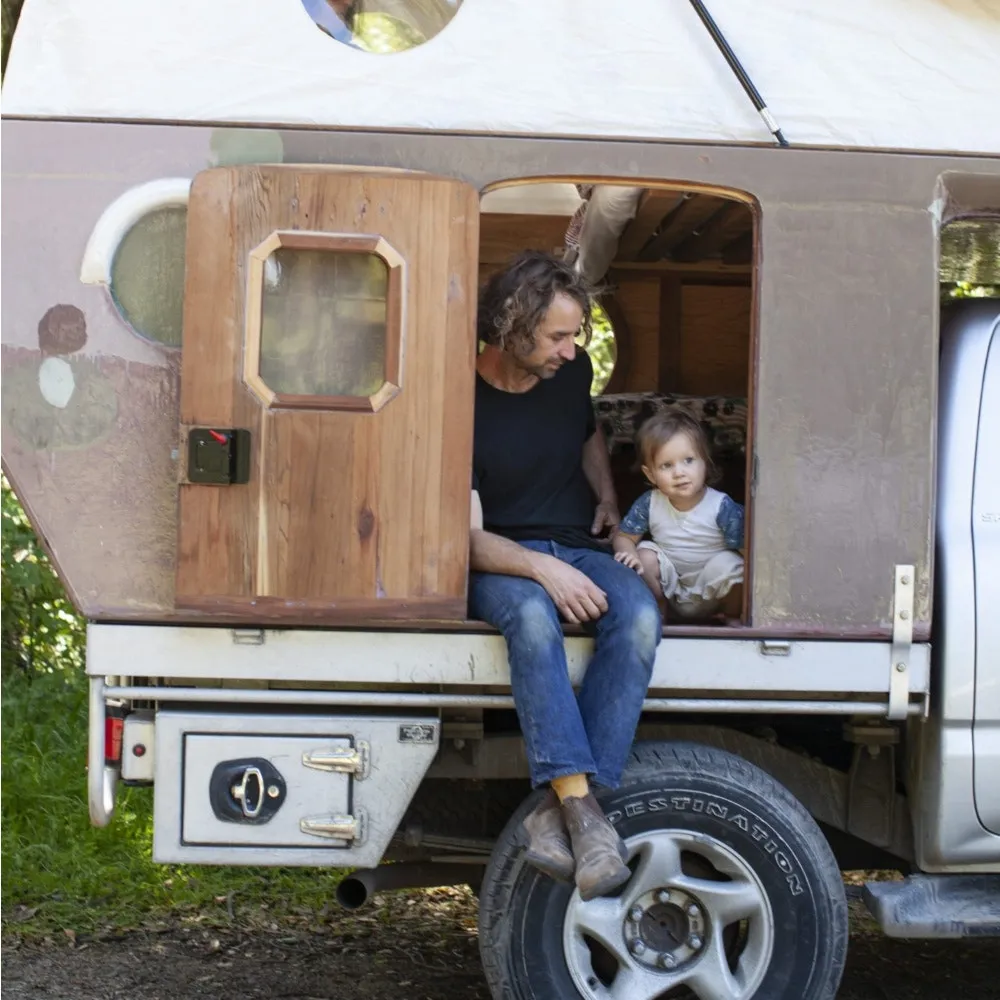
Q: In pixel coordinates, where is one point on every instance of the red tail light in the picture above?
(113, 728)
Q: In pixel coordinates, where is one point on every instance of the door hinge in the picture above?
(902, 643)
(336, 827)
(344, 760)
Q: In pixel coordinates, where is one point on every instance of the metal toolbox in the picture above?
(246, 788)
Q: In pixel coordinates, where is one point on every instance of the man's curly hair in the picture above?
(514, 301)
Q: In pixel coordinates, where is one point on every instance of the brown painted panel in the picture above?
(845, 390)
(845, 412)
(346, 512)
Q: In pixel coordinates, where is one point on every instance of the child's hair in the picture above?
(661, 427)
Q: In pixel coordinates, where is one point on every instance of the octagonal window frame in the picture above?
(395, 307)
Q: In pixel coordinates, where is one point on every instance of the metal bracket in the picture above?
(902, 643)
(344, 760)
(871, 781)
(775, 647)
(248, 636)
(337, 827)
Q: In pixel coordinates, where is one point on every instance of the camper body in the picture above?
(271, 547)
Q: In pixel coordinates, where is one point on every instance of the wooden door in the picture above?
(331, 314)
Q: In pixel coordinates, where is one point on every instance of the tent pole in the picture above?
(741, 73)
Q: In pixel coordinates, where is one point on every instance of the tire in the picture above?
(735, 894)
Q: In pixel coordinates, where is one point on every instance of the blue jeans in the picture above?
(567, 734)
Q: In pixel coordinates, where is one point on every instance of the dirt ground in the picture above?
(416, 947)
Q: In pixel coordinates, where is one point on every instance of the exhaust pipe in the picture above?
(355, 890)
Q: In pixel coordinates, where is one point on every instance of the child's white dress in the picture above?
(695, 548)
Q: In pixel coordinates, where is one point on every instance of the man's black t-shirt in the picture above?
(527, 458)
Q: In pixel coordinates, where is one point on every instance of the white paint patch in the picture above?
(56, 381)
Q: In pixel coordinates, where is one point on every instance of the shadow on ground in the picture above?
(419, 946)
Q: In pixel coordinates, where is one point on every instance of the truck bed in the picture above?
(728, 665)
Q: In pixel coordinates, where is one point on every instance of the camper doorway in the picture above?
(675, 323)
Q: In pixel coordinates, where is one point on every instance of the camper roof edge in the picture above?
(112, 60)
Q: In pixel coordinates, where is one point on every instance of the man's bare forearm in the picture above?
(490, 553)
(597, 468)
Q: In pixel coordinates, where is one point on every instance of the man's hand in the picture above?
(606, 517)
(575, 595)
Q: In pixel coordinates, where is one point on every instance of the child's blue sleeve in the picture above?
(730, 522)
(636, 521)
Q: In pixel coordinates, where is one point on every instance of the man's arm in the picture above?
(597, 469)
(576, 596)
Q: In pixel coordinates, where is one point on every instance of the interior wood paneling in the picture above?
(670, 376)
(639, 301)
(690, 213)
(360, 515)
(655, 204)
(731, 221)
(715, 340)
(504, 235)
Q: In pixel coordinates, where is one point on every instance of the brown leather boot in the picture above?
(599, 851)
(546, 842)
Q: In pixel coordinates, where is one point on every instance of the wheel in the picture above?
(735, 893)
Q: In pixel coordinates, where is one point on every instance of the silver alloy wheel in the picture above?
(668, 928)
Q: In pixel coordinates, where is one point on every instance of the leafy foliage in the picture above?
(40, 629)
(59, 871)
(601, 349)
(967, 290)
(11, 12)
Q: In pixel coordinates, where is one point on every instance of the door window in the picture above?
(327, 331)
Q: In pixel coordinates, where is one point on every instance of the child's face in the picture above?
(678, 471)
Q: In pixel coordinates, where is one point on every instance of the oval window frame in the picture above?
(117, 220)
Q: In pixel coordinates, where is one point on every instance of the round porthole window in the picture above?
(382, 26)
(147, 275)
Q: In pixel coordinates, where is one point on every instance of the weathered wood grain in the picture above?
(347, 513)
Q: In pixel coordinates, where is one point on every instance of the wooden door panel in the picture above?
(348, 514)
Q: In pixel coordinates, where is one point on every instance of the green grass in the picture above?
(62, 874)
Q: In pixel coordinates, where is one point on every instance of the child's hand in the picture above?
(629, 559)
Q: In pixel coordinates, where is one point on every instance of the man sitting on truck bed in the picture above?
(539, 463)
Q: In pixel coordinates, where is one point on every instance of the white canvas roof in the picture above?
(906, 74)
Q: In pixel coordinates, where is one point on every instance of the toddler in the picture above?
(693, 559)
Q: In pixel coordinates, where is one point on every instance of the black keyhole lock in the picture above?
(248, 791)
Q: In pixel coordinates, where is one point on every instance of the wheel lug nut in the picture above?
(637, 948)
(692, 910)
(694, 941)
(635, 914)
(663, 896)
(667, 961)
